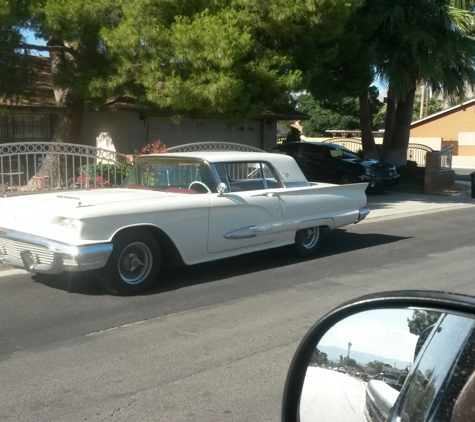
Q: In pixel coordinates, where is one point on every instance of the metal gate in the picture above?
(51, 166)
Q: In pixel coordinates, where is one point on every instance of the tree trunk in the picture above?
(69, 121)
(389, 123)
(396, 154)
(68, 124)
(367, 138)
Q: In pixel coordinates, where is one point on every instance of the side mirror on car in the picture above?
(397, 356)
(222, 188)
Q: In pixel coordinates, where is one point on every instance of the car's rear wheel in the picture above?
(134, 263)
(308, 241)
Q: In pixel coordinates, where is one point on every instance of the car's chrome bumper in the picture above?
(363, 213)
(40, 255)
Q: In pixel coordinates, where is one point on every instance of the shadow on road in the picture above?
(337, 242)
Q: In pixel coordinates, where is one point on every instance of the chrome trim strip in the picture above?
(247, 232)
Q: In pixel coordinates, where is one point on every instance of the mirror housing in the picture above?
(460, 305)
(222, 188)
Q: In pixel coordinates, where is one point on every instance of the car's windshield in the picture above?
(164, 173)
(341, 153)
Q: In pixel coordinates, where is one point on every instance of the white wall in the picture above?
(126, 132)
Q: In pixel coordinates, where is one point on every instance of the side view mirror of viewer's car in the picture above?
(397, 356)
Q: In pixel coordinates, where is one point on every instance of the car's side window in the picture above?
(316, 152)
(270, 178)
(247, 176)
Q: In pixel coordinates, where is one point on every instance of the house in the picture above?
(125, 126)
(454, 126)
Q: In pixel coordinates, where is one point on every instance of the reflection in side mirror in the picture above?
(365, 367)
(374, 345)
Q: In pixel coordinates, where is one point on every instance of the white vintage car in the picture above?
(188, 207)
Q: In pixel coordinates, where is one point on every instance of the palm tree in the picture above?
(419, 39)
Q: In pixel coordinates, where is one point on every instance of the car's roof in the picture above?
(284, 164)
(322, 144)
(219, 156)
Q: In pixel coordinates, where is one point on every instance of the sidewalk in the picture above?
(390, 205)
(400, 204)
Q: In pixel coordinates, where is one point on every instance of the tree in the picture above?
(419, 40)
(349, 362)
(377, 366)
(319, 358)
(431, 105)
(326, 115)
(421, 320)
(351, 73)
(229, 58)
(14, 69)
(233, 58)
(79, 59)
(402, 43)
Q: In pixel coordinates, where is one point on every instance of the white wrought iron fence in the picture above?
(50, 166)
(352, 144)
(415, 152)
(418, 153)
(445, 158)
(213, 146)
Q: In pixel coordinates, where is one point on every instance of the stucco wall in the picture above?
(448, 126)
(126, 132)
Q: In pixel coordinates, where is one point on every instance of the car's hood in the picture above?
(369, 162)
(76, 198)
(41, 208)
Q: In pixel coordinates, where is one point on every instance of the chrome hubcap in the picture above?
(309, 237)
(135, 263)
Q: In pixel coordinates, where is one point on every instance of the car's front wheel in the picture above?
(134, 263)
(308, 241)
(347, 178)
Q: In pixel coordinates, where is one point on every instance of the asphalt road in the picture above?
(214, 341)
(328, 395)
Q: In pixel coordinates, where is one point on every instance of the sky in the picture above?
(31, 39)
(379, 332)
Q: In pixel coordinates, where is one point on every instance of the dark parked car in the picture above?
(324, 162)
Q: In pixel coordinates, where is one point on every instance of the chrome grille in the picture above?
(42, 256)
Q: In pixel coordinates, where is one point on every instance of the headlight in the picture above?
(70, 226)
(369, 171)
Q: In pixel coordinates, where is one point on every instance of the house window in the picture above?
(19, 127)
